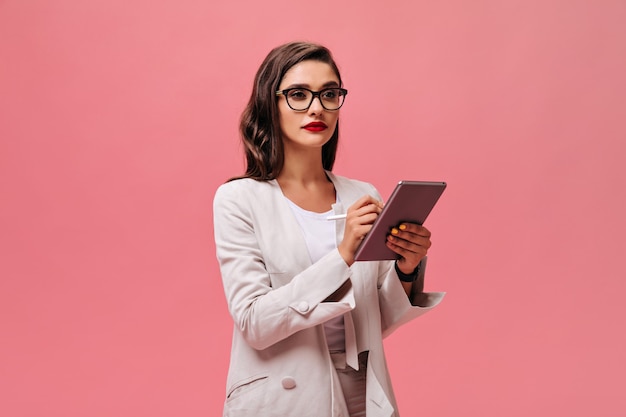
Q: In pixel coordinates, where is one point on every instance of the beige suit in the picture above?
(280, 365)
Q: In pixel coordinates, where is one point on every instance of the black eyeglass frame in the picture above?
(317, 94)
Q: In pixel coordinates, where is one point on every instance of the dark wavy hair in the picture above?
(260, 126)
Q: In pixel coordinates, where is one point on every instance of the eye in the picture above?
(331, 94)
(298, 95)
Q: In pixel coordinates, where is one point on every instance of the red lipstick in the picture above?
(316, 126)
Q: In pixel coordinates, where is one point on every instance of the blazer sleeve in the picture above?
(395, 307)
(267, 308)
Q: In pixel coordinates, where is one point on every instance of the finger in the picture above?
(369, 208)
(362, 219)
(408, 245)
(364, 201)
(411, 256)
(415, 229)
(411, 237)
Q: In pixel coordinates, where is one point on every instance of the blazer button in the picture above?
(303, 306)
(288, 382)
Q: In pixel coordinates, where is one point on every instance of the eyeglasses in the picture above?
(300, 99)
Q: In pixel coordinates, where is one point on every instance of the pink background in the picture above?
(118, 120)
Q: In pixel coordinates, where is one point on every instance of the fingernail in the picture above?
(402, 226)
(394, 231)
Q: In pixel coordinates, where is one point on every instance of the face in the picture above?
(313, 127)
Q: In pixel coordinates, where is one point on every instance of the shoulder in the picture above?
(240, 191)
(352, 182)
(352, 186)
(241, 186)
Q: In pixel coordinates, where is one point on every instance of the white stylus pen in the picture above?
(336, 217)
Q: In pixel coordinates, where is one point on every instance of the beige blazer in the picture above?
(280, 365)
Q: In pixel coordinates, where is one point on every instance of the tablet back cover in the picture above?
(412, 202)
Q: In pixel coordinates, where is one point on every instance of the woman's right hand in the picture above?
(359, 219)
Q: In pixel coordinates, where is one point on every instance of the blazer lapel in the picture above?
(281, 231)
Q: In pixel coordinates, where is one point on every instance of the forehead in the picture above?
(310, 73)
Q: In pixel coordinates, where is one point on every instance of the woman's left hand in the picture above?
(411, 241)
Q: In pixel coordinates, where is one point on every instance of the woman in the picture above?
(309, 321)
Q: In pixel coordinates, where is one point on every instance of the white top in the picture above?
(319, 234)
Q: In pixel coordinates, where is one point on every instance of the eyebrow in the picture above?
(302, 85)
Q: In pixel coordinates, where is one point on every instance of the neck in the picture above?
(304, 166)
(304, 181)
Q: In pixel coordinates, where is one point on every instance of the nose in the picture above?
(316, 105)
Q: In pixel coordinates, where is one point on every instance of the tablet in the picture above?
(411, 202)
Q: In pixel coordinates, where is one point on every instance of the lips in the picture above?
(316, 126)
